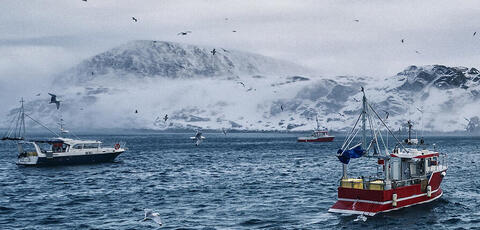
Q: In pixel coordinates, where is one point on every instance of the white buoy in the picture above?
(394, 200)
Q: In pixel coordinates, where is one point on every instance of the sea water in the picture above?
(238, 181)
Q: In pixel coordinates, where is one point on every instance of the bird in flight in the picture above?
(341, 114)
(224, 131)
(53, 99)
(387, 114)
(241, 83)
(166, 117)
(356, 20)
(183, 33)
(134, 19)
(136, 111)
(416, 51)
(402, 40)
(38, 94)
(234, 31)
(474, 33)
(356, 100)
(281, 107)
(155, 216)
(213, 51)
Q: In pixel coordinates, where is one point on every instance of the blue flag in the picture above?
(344, 156)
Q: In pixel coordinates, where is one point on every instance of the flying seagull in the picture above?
(281, 107)
(416, 51)
(184, 33)
(234, 31)
(134, 19)
(198, 138)
(474, 33)
(224, 50)
(341, 114)
(241, 83)
(386, 112)
(419, 110)
(356, 100)
(38, 94)
(402, 40)
(53, 99)
(155, 216)
(166, 117)
(213, 51)
(136, 111)
(356, 20)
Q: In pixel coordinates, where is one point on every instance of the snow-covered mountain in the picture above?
(233, 89)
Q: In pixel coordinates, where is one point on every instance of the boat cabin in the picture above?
(56, 145)
(318, 133)
(401, 168)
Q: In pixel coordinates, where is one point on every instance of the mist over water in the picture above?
(238, 181)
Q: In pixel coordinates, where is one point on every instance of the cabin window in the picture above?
(90, 146)
(80, 146)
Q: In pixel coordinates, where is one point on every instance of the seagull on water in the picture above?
(150, 215)
(53, 99)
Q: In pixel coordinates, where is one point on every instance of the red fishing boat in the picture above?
(404, 177)
(317, 135)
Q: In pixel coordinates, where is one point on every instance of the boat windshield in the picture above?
(26, 148)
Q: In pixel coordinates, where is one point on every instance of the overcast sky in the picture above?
(42, 37)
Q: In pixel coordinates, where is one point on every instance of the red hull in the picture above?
(371, 202)
(320, 139)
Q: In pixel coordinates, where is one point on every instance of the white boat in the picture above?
(58, 150)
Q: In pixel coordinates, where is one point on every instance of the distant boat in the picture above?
(58, 150)
(317, 135)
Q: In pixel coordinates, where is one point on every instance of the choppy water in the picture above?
(241, 181)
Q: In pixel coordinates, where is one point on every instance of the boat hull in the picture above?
(70, 160)
(372, 202)
(313, 139)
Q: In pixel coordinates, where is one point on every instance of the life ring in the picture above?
(117, 146)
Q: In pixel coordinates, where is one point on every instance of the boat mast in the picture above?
(22, 111)
(409, 130)
(364, 120)
(318, 125)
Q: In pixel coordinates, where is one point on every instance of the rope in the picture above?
(42, 125)
(387, 128)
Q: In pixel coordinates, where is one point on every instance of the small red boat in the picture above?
(404, 177)
(317, 135)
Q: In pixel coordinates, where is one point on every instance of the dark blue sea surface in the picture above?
(238, 181)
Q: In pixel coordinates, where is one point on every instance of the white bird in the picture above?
(198, 138)
(150, 215)
(361, 217)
